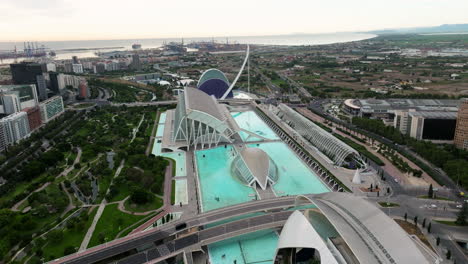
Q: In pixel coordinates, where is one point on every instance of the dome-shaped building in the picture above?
(214, 82)
(254, 166)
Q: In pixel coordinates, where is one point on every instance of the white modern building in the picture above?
(200, 122)
(14, 98)
(253, 166)
(51, 108)
(15, 127)
(344, 228)
(329, 145)
(77, 68)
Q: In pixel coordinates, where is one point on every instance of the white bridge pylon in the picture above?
(238, 75)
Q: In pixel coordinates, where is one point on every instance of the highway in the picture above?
(130, 242)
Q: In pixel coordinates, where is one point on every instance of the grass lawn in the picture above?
(71, 237)
(436, 198)
(385, 204)
(173, 192)
(450, 223)
(81, 106)
(112, 221)
(155, 204)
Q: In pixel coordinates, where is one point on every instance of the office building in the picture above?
(16, 127)
(41, 87)
(14, 98)
(30, 73)
(426, 125)
(461, 130)
(75, 60)
(57, 82)
(34, 117)
(51, 108)
(68, 67)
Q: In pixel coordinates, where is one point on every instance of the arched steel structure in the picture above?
(321, 139)
(200, 120)
(238, 75)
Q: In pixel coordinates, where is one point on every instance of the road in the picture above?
(131, 241)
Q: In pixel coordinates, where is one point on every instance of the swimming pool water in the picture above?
(294, 176)
(218, 188)
(251, 122)
(258, 247)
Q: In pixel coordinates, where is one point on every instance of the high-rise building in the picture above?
(57, 82)
(75, 60)
(83, 90)
(41, 86)
(14, 98)
(51, 108)
(461, 130)
(16, 127)
(30, 73)
(10, 102)
(136, 64)
(72, 80)
(68, 67)
(34, 117)
(77, 68)
(3, 142)
(99, 68)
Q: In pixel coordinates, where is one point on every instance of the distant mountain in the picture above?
(446, 28)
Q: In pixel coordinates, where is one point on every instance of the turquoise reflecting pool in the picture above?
(218, 188)
(251, 122)
(258, 248)
(294, 176)
(162, 118)
(160, 130)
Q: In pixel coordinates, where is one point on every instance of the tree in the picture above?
(424, 222)
(462, 215)
(430, 192)
(438, 241)
(69, 250)
(415, 220)
(429, 227)
(55, 236)
(449, 254)
(406, 217)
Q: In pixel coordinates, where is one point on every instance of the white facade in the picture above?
(15, 127)
(51, 67)
(71, 80)
(77, 68)
(51, 108)
(17, 97)
(11, 103)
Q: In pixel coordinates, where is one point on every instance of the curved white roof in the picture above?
(299, 233)
(258, 163)
(370, 233)
(198, 100)
(212, 74)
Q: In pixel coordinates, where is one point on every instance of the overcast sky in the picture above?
(41, 20)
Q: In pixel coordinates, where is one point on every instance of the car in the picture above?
(459, 206)
(433, 206)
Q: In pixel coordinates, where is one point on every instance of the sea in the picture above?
(88, 48)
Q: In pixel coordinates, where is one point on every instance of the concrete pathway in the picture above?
(135, 130)
(70, 168)
(153, 134)
(18, 204)
(70, 205)
(89, 233)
